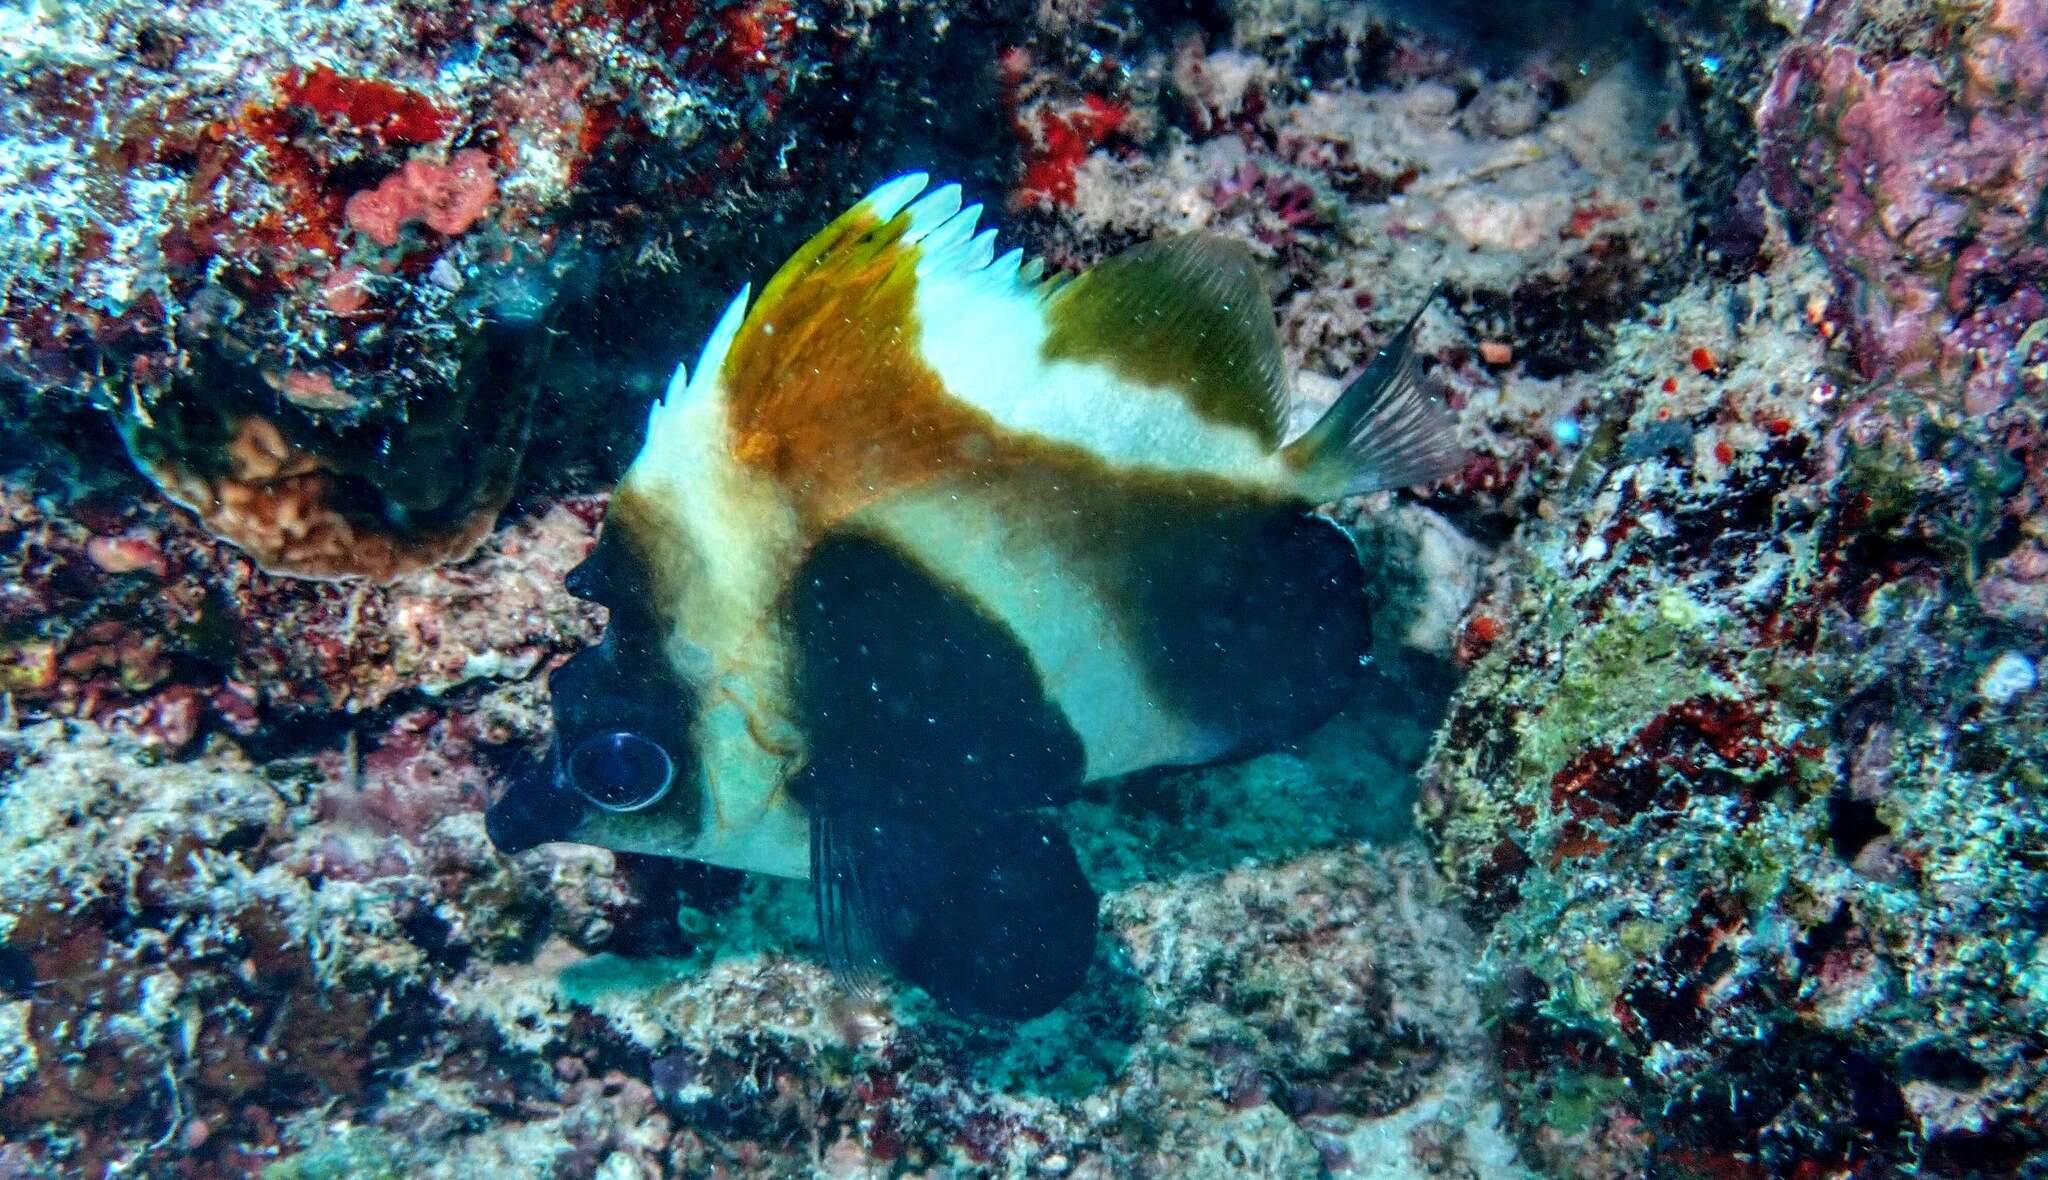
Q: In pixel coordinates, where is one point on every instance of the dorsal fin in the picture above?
(872, 217)
(1385, 430)
(1188, 313)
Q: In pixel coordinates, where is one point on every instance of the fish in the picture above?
(929, 541)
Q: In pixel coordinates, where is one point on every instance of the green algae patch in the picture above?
(353, 1153)
(1580, 1101)
(1612, 682)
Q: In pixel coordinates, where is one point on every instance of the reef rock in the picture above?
(309, 255)
(1745, 779)
(1729, 858)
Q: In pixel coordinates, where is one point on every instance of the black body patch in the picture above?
(532, 811)
(1253, 619)
(992, 916)
(622, 686)
(912, 698)
(930, 740)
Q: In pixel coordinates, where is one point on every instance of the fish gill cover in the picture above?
(1687, 820)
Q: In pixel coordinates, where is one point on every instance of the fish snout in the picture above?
(534, 810)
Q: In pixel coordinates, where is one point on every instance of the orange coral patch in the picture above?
(284, 507)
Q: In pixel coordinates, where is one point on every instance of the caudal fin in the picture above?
(1385, 431)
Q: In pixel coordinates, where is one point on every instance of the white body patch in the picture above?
(984, 333)
(1082, 655)
(731, 537)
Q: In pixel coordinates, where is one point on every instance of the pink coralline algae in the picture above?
(449, 198)
(1921, 173)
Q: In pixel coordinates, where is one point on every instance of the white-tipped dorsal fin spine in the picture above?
(955, 232)
(688, 390)
(720, 342)
(979, 251)
(889, 199)
(678, 390)
(1385, 431)
(932, 210)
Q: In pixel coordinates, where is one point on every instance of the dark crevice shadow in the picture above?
(1352, 779)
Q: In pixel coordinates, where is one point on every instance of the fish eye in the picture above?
(620, 771)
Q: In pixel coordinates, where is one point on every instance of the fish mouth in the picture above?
(535, 809)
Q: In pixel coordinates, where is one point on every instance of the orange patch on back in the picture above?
(826, 390)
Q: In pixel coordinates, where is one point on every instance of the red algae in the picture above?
(367, 104)
(449, 198)
(1056, 141)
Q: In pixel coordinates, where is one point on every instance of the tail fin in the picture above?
(1385, 431)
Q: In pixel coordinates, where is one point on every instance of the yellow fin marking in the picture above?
(827, 392)
(1185, 313)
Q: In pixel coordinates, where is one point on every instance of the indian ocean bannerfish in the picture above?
(927, 541)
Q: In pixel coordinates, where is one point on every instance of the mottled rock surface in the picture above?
(1746, 779)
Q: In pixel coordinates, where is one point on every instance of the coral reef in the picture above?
(116, 611)
(1745, 779)
(309, 253)
(1912, 148)
(1719, 659)
(340, 977)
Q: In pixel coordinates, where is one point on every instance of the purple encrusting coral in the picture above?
(1730, 834)
(1919, 163)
